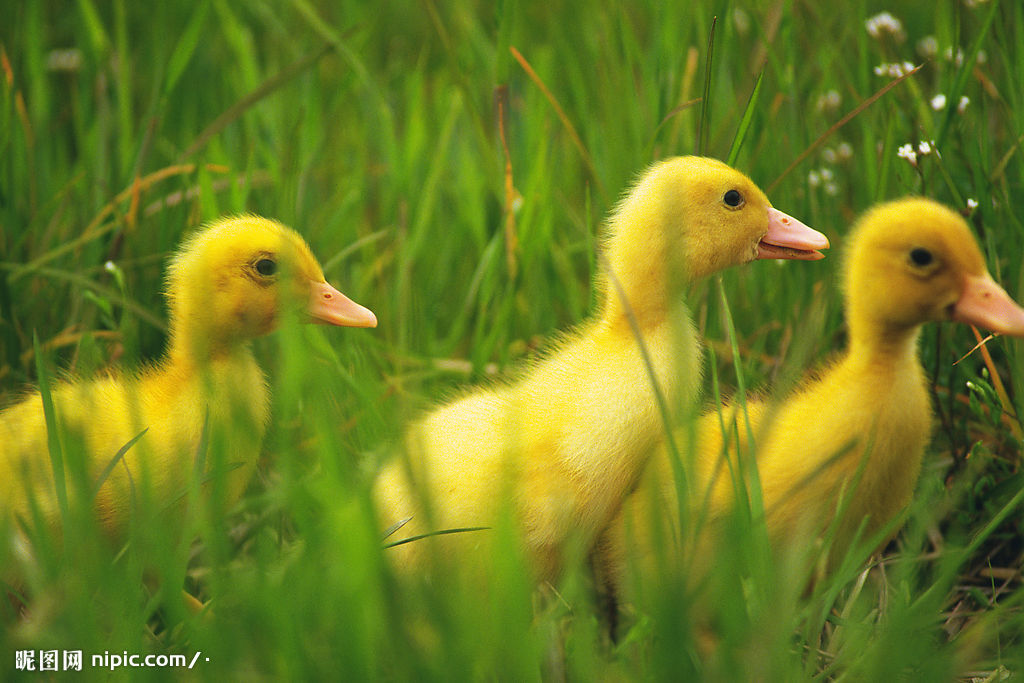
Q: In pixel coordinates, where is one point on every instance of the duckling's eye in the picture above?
(266, 267)
(921, 256)
(733, 198)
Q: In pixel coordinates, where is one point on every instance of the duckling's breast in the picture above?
(854, 443)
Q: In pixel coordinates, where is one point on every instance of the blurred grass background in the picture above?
(439, 186)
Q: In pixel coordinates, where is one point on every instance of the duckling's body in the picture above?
(201, 411)
(885, 418)
(560, 447)
(170, 403)
(535, 443)
(845, 450)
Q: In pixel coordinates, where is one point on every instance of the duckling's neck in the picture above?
(882, 345)
(197, 351)
(642, 277)
(647, 306)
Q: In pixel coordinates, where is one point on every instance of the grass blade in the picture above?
(185, 47)
(442, 532)
(113, 463)
(562, 116)
(94, 27)
(55, 446)
(748, 116)
(705, 102)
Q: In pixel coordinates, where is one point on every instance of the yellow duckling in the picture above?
(562, 445)
(226, 285)
(845, 450)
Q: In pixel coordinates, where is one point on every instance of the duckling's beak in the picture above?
(986, 304)
(788, 238)
(329, 306)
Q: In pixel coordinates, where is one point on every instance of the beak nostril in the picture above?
(328, 296)
(785, 221)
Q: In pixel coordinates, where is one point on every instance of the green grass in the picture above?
(372, 128)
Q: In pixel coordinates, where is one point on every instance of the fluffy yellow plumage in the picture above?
(856, 434)
(225, 286)
(563, 444)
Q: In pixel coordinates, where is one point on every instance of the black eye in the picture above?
(921, 256)
(733, 198)
(266, 267)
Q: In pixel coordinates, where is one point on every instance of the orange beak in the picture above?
(788, 238)
(986, 304)
(328, 305)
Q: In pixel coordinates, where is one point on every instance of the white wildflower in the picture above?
(928, 47)
(844, 151)
(884, 24)
(907, 152)
(828, 101)
(957, 58)
(829, 155)
(824, 178)
(894, 70)
(924, 148)
(938, 102)
(961, 107)
(69, 59)
(972, 204)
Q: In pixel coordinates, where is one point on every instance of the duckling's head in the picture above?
(688, 217)
(228, 283)
(912, 261)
